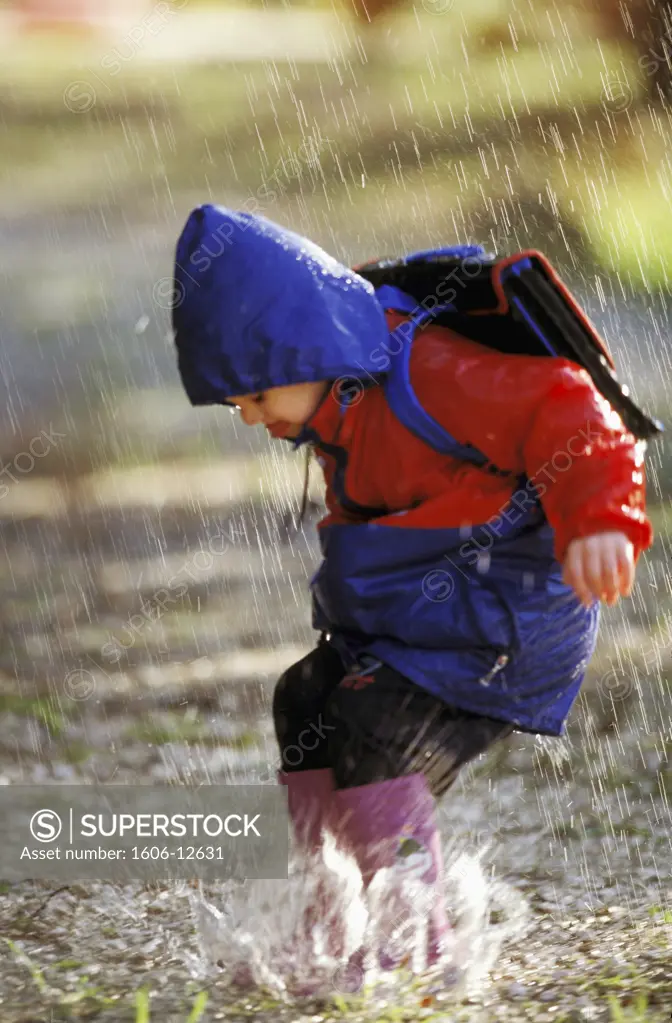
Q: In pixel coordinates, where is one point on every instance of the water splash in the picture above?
(257, 931)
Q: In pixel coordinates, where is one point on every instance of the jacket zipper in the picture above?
(498, 666)
(340, 456)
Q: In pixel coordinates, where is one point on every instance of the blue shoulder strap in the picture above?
(398, 390)
(462, 252)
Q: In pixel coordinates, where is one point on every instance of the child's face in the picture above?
(282, 410)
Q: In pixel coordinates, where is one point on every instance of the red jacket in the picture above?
(531, 415)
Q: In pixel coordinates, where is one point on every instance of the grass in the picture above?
(185, 729)
(636, 1011)
(182, 728)
(142, 1007)
(42, 709)
(664, 915)
(637, 1014)
(88, 999)
(158, 735)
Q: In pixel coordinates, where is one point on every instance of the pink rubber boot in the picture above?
(309, 798)
(391, 824)
(310, 795)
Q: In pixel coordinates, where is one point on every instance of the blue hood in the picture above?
(257, 306)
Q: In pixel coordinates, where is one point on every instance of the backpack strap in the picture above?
(404, 403)
(399, 392)
(461, 252)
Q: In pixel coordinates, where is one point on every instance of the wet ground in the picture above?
(103, 680)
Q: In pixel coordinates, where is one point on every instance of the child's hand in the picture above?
(600, 567)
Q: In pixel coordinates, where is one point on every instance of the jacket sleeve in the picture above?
(544, 418)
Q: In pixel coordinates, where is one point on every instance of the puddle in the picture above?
(256, 931)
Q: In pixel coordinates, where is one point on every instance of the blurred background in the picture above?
(373, 126)
(153, 583)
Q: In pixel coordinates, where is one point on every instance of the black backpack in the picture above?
(515, 304)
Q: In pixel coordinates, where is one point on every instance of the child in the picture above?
(455, 604)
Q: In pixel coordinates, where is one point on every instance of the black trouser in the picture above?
(371, 724)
